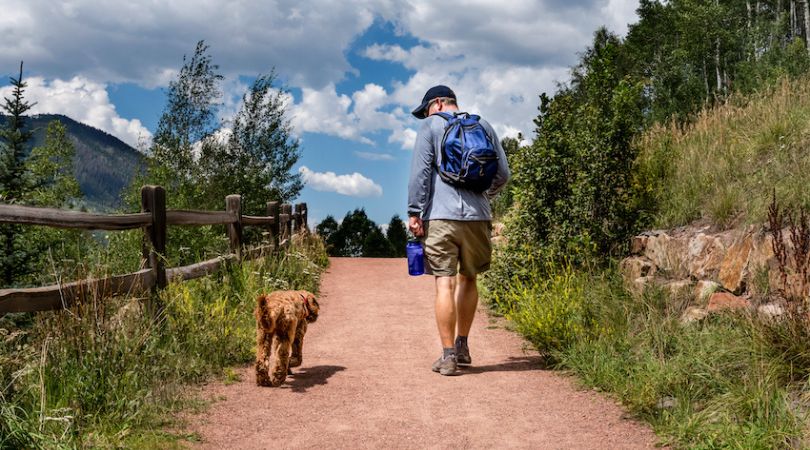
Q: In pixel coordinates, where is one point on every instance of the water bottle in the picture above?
(416, 258)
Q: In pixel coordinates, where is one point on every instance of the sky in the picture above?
(354, 70)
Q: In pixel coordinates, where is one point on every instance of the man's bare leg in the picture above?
(466, 297)
(446, 310)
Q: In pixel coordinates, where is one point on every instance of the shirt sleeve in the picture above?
(503, 174)
(421, 171)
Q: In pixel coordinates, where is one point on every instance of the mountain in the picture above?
(104, 164)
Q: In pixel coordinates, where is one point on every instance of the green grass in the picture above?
(105, 375)
(729, 381)
(726, 165)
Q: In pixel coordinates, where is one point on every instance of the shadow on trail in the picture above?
(308, 377)
(513, 364)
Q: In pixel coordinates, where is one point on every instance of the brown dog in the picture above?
(281, 322)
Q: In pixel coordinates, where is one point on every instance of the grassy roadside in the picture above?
(104, 375)
(728, 381)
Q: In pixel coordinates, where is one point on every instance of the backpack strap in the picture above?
(445, 116)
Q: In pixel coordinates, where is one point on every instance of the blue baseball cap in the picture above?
(434, 92)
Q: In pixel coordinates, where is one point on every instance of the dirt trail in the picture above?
(366, 383)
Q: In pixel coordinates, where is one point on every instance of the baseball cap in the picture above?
(434, 92)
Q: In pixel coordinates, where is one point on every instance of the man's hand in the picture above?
(415, 226)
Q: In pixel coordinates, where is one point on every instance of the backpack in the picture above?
(468, 156)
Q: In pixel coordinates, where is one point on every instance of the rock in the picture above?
(638, 244)
(734, 268)
(704, 255)
(704, 289)
(668, 253)
(640, 284)
(667, 402)
(678, 287)
(693, 314)
(771, 310)
(725, 301)
(636, 267)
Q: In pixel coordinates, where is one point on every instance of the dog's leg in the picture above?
(281, 360)
(262, 357)
(298, 344)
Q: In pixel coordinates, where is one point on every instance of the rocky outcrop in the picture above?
(720, 270)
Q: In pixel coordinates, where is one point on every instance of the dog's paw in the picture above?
(276, 379)
(295, 361)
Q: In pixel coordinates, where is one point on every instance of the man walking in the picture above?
(455, 224)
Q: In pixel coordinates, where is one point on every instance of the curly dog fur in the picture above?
(281, 322)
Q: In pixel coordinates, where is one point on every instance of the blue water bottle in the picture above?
(416, 258)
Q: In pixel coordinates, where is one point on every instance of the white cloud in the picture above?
(353, 185)
(374, 156)
(84, 101)
(406, 138)
(142, 42)
(497, 56)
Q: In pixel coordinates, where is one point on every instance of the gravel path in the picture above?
(366, 382)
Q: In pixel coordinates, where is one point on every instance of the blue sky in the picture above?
(354, 70)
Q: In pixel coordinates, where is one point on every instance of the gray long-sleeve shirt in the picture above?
(431, 198)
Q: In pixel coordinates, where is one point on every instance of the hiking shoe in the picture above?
(463, 355)
(445, 366)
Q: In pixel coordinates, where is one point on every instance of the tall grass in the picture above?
(105, 374)
(725, 166)
(726, 381)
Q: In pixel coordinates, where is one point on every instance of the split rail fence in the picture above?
(281, 220)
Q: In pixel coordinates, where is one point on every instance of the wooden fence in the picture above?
(281, 220)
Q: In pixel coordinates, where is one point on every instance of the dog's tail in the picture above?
(264, 314)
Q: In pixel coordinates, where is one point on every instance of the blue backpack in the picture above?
(468, 159)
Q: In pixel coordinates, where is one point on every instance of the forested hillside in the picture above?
(104, 164)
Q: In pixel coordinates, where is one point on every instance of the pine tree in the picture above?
(327, 230)
(397, 236)
(13, 138)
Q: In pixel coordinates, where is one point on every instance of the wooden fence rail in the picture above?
(281, 221)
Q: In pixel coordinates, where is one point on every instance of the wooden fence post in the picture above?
(286, 232)
(273, 211)
(153, 200)
(303, 208)
(233, 204)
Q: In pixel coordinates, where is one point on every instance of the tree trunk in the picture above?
(806, 23)
(748, 8)
(792, 19)
(706, 78)
(717, 64)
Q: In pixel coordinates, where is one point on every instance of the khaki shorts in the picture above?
(456, 246)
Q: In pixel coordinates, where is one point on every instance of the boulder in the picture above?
(693, 314)
(640, 284)
(705, 255)
(679, 287)
(771, 310)
(638, 244)
(734, 268)
(668, 252)
(635, 267)
(726, 301)
(704, 289)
